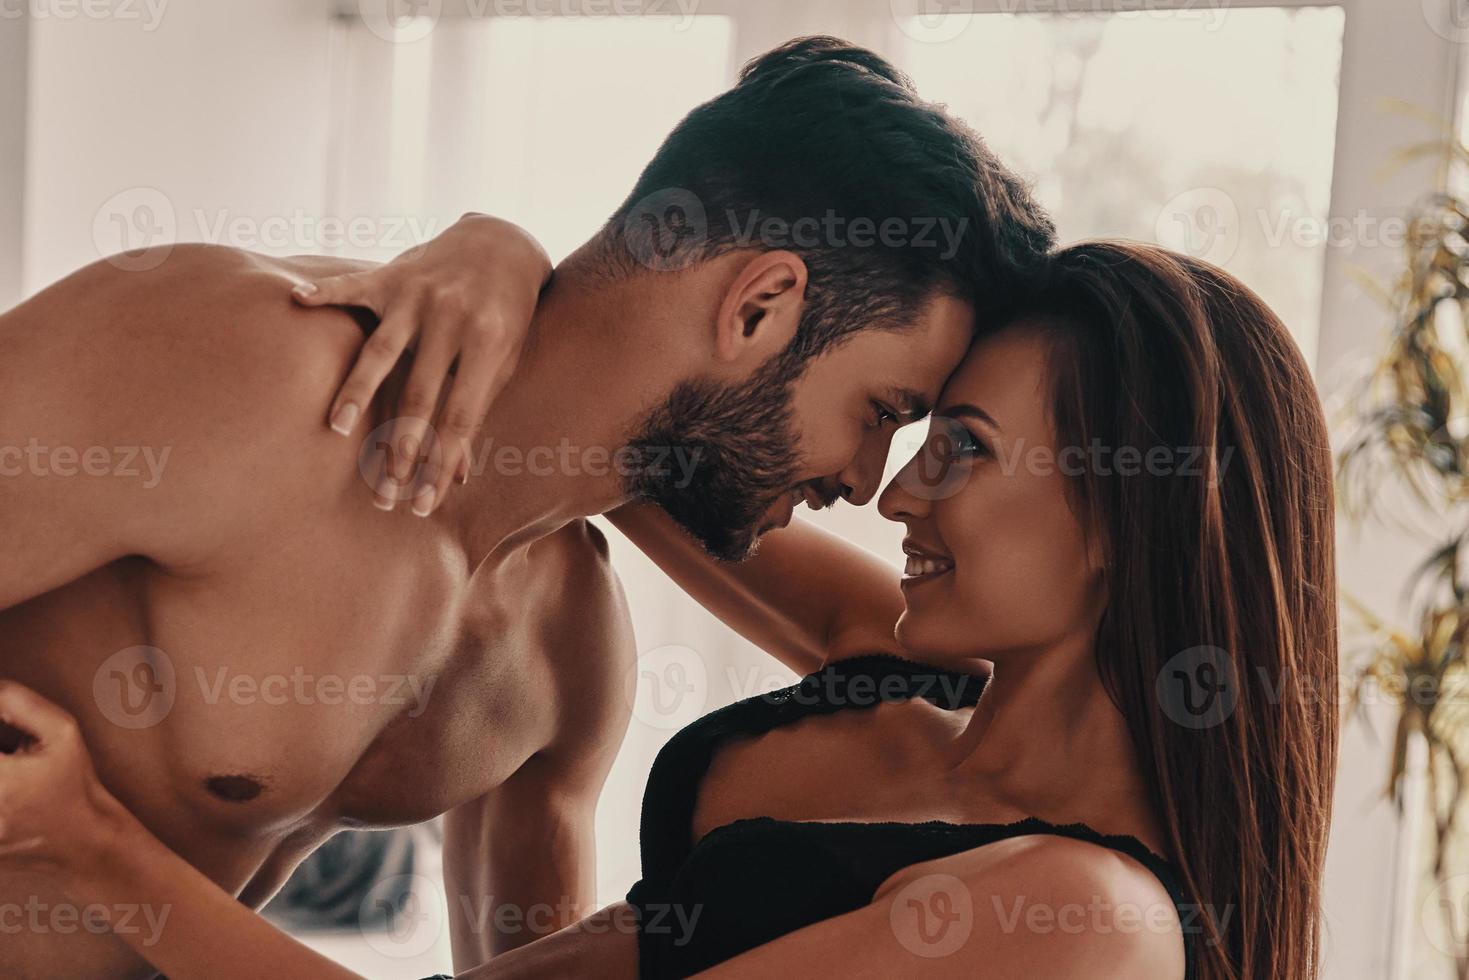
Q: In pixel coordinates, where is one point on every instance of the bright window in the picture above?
(1124, 126)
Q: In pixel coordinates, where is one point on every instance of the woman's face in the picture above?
(998, 562)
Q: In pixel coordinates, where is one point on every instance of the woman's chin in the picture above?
(920, 635)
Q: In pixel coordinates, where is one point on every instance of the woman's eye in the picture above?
(953, 441)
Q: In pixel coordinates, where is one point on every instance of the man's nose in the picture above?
(862, 478)
(859, 485)
(855, 495)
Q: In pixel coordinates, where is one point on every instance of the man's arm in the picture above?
(805, 597)
(520, 861)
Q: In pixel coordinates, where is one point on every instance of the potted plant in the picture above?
(1406, 463)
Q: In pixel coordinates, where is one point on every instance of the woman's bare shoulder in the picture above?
(1056, 905)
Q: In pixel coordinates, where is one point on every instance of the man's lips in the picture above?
(924, 563)
(785, 505)
(816, 498)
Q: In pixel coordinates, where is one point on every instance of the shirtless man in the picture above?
(258, 658)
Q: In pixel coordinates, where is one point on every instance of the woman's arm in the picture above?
(603, 945)
(205, 933)
(57, 819)
(468, 296)
(462, 305)
(806, 597)
(1033, 906)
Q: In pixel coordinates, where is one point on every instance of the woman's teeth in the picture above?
(918, 567)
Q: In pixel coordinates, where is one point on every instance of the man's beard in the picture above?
(738, 446)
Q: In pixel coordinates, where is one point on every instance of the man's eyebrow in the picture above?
(964, 409)
(912, 405)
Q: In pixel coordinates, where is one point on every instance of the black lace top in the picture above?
(754, 880)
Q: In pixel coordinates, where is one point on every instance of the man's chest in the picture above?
(298, 695)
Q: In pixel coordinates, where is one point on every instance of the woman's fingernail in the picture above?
(305, 289)
(423, 504)
(387, 494)
(344, 419)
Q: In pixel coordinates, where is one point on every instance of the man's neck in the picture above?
(545, 453)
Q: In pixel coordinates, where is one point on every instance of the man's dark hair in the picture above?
(822, 130)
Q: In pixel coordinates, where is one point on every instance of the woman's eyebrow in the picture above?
(964, 409)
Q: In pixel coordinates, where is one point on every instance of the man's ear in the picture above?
(761, 308)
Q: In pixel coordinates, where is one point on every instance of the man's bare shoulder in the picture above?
(203, 352)
(206, 307)
(215, 322)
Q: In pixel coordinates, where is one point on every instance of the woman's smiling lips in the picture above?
(924, 564)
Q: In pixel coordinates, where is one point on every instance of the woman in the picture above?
(1120, 529)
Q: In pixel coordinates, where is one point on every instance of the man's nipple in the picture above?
(236, 789)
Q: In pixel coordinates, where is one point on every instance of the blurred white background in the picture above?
(1252, 134)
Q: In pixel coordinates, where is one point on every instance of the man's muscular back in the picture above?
(256, 656)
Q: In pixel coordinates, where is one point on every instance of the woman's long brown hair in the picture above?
(1156, 349)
